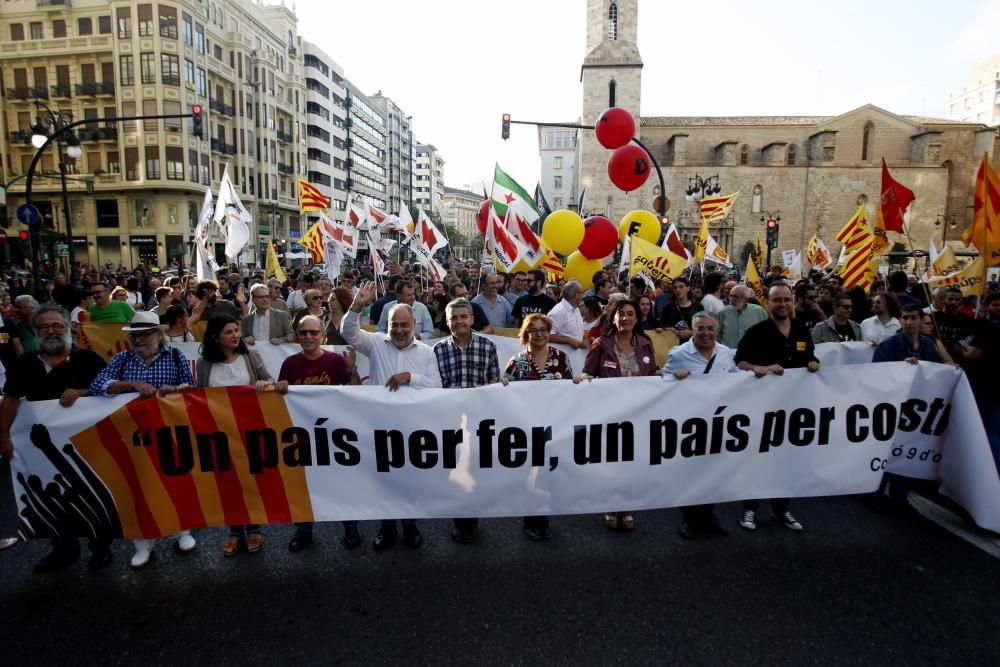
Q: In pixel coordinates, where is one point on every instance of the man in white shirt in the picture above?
(394, 359)
(567, 321)
(884, 323)
(711, 299)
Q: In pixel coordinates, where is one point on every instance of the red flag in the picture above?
(895, 198)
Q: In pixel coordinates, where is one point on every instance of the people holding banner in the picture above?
(840, 328)
(701, 355)
(315, 366)
(538, 361)
(465, 360)
(622, 350)
(151, 366)
(56, 370)
(226, 361)
(395, 359)
(768, 348)
(266, 323)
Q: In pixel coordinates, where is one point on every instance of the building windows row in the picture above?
(36, 29)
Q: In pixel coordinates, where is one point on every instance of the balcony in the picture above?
(62, 91)
(220, 146)
(285, 169)
(53, 4)
(292, 51)
(220, 107)
(94, 89)
(28, 93)
(284, 137)
(107, 134)
(20, 137)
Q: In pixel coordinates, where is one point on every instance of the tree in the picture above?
(898, 261)
(748, 250)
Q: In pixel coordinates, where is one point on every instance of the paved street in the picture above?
(854, 588)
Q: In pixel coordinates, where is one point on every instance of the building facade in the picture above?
(814, 170)
(460, 208)
(557, 147)
(104, 60)
(326, 132)
(428, 177)
(399, 153)
(979, 101)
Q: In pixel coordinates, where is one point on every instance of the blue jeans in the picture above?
(243, 531)
(307, 526)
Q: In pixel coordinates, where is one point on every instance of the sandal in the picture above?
(231, 546)
(628, 521)
(611, 521)
(254, 543)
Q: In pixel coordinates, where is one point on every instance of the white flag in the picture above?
(507, 250)
(626, 258)
(715, 253)
(232, 217)
(355, 216)
(205, 264)
(204, 219)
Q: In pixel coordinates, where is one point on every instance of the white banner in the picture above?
(147, 467)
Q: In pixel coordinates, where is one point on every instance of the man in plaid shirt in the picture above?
(465, 360)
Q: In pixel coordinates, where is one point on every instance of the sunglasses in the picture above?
(310, 332)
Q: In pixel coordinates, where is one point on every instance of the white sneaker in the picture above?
(143, 550)
(185, 542)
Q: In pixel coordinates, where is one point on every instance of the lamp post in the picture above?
(768, 217)
(945, 223)
(699, 188)
(39, 137)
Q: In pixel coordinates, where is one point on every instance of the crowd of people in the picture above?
(720, 326)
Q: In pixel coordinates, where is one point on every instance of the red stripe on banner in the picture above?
(180, 488)
(115, 445)
(234, 507)
(269, 481)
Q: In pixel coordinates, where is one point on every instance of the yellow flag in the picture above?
(658, 263)
(312, 240)
(984, 232)
(881, 245)
(701, 244)
(969, 279)
(753, 281)
(945, 263)
(761, 251)
(273, 268)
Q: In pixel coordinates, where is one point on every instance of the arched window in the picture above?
(791, 156)
(613, 22)
(611, 93)
(757, 200)
(867, 137)
(744, 154)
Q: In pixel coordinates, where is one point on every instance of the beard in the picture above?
(52, 346)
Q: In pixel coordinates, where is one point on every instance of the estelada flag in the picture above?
(969, 279)
(217, 472)
(895, 198)
(984, 232)
(310, 198)
(654, 261)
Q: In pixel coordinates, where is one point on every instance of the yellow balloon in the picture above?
(563, 231)
(581, 269)
(643, 224)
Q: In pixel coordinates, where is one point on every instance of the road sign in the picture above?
(27, 214)
(62, 250)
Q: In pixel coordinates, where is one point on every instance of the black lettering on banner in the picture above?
(801, 427)
(262, 449)
(591, 446)
(693, 444)
(176, 454)
(322, 443)
(299, 449)
(349, 455)
(773, 433)
(826, 415)
(213, 452)
(884, 421)
(662, 440)
(856, 432)
(910, 414)
(392, 447)
(928, 427)
(389, 452)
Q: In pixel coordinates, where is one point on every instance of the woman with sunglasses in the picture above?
(315, 306)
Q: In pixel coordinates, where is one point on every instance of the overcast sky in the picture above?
(456, 65)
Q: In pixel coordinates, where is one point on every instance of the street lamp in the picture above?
(699, 188)
(39, 136)
(945, 223)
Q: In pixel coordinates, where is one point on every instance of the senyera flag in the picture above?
(310, 198)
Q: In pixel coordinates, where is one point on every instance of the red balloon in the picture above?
(628, 167)
(600, 237)
(614, 128)
(483, 216)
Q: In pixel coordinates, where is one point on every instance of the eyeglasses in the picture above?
(315, 298)
(142, 334)
(57, 327)
(310, 332)
(537, 332)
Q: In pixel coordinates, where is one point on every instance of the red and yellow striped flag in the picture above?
(313, 241)
(310, 198)
(207, 457)
(984, 232)
(716, 208)
(856, 230)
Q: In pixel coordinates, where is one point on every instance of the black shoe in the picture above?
(546, 532)
(686, 530)
(412, 536)
(384, 538)
(99, 557)
(714, 527)
(299, 541)
(534, 533)
(57, 559)
(352, 539)
(464, 536)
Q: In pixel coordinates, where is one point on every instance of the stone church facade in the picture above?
(815, 170)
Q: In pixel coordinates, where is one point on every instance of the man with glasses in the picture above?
(107, 310)
(274, 290)
(736, 318)
(57, 370)
(516, 288)
(536, 300)
(151, 366)
(807, 308)
(395, 359)
(265, 323)
(315, 366)
(839, 328)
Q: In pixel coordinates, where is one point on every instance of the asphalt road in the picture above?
(854, 588)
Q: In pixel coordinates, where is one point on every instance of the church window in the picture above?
(791, 156)
(613, 22)
(744, 154)
(866, 140)
(611, 93)
(757, 199)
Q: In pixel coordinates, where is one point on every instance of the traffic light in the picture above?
(505, 127)
(196, 121)
(25, 241)
(772, 233)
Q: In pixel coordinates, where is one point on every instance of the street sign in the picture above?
(27, 214)
(62, 250)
